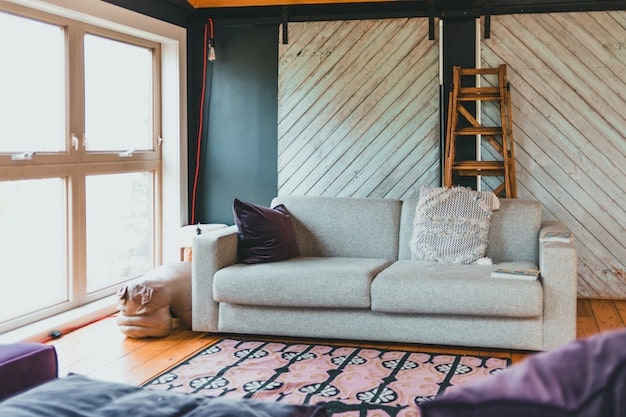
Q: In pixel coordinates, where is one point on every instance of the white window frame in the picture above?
(173, 123)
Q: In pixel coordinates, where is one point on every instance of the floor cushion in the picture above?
(24, 365)
(585, 378)
(146, 305)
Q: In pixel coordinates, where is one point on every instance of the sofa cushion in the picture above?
(299, 282)
(584, 378)
(442, 288)
(514, 231)
(452, 224)
(265, 234)
(345, 227)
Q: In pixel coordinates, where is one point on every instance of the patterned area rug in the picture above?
(352, 381)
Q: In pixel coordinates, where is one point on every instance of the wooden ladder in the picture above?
(499, 137)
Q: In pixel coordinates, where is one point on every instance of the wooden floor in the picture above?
(101, 351)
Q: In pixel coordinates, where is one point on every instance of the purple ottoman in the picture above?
(24, 365)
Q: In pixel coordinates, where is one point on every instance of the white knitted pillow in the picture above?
(452, 224)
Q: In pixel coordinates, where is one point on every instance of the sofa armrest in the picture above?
(211, 252)
(558, 262)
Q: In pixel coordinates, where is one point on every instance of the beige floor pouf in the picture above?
(146, 307)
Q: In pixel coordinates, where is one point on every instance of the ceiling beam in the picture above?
(259, 3)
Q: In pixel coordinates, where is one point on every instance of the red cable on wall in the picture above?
(208, 37)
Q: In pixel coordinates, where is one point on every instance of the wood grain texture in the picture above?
(358, 117)
(101, 351)
(568, 79)
(358, 109)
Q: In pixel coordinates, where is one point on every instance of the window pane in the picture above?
(118, 95)
(33, 245)
(32, 86)
(119, 228)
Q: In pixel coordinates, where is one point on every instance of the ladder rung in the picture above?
(479, 93)
(483, 90)
(481, 130)
(476, 97)
(476, 71)
(473, 168)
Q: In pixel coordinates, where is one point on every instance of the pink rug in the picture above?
(352, 381)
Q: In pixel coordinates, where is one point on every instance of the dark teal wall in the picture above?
(239, 149)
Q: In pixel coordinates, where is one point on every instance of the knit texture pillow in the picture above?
(452, 224)
(265, 234)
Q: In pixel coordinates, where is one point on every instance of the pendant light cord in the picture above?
(208, 34)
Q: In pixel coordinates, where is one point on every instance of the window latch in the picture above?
(24, 156)
(127, 154)
(75, 142)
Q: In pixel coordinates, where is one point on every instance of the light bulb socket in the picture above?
(211, 52)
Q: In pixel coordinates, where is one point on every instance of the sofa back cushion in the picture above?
(346, 227)
(513, 231)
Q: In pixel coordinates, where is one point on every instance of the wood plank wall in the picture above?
(358, 111)
(358, 116)
(568, 90)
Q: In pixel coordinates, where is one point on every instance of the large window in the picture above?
(81, 169)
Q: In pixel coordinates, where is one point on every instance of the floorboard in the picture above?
(100, 350)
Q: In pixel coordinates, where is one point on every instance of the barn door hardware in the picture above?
(285, 14)
(431, 20)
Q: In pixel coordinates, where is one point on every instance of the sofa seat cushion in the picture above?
(299, 282)
(443, 288)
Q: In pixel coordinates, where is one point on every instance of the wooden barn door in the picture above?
(568, 78)
(358, 109)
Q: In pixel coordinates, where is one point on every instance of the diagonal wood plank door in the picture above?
(358, 109)
(568, 78)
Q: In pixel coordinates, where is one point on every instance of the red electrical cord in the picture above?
(62, 332)
(208, 35)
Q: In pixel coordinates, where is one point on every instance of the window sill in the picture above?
(80, 316)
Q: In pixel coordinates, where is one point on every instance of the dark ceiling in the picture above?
(182, 13)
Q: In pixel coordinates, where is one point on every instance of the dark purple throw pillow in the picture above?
(265, 234)
(584, 378)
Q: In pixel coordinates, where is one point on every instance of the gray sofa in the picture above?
(354, 279)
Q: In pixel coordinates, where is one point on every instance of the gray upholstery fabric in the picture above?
(514, 231)
(506, 333)
(381, 229)
(407, 217)
(300, 282)
(344, 227)
(211, 252)
(558, 265)
(446, 288)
